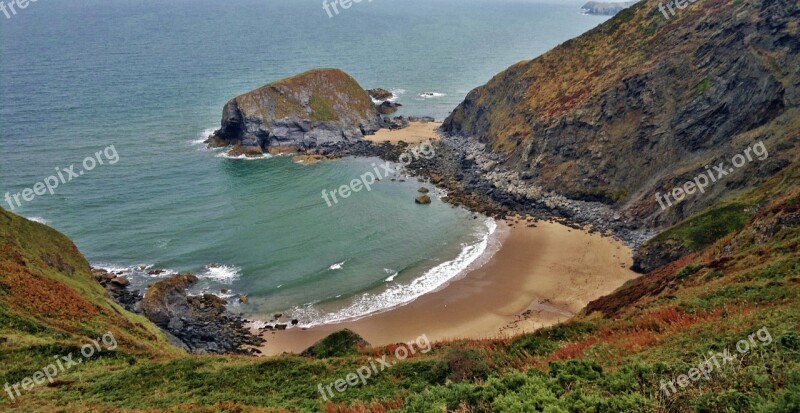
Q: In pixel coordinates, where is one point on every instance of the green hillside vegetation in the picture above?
(611, 358)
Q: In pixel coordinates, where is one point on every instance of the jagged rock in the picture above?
(380, 94)
(202, 323)
(387, 108)
(398, 122)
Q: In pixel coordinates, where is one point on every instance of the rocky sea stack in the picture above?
(316, 107)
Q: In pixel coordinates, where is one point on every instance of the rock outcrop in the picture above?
(641, 104)
(200, 324)
(319, 106)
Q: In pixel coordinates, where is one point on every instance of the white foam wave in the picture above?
(244, 157)
(202, 137)
(138, 270)
(39, 220)
(392, 273)
(400, 294)
(225, 274)
(337, 266)
(431, 95)
(396, 93)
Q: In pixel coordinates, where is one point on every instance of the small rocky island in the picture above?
(317, 107)
(606, 9)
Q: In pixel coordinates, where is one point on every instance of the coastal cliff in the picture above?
(316, 107)
(641, 104)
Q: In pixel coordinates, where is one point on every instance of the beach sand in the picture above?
(416, 132)
(539, 277)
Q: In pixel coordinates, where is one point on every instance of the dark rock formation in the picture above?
(423, 199)
(201, 323)
(198, 324)
(387, 108)
(423, 119)
(380, 94)
(398, 122)
(319, 106)
(117, 288)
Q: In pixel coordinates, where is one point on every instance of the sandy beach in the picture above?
(416, 132)
(540, 276)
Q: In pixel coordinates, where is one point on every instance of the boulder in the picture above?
(380, 94)
(387, 108)
(423, 199)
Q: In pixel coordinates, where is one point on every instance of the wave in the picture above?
(431, 95)
(137, 270)
(396, 93)
(391, 277)
(39, 220)
(202, 137)
(244, 157)
(225, 274)
(401, 294)
(337, 266)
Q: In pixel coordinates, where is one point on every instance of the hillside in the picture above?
(316, 107)
(643, 103)
(616, 356)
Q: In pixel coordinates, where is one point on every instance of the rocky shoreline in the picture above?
(474, 179)
(199, 324)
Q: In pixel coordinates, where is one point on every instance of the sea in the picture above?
(140, 84)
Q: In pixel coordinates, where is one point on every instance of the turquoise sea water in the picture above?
(150, 77)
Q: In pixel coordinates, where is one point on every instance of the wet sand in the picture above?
(539, 277)
(416, 132)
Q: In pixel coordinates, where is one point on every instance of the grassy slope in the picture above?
(331, 91)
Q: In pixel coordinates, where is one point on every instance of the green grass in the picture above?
(706, 228)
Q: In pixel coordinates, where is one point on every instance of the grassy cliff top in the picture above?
(316, 95)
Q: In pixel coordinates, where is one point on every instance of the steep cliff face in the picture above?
(315, 107)
(644, 102)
